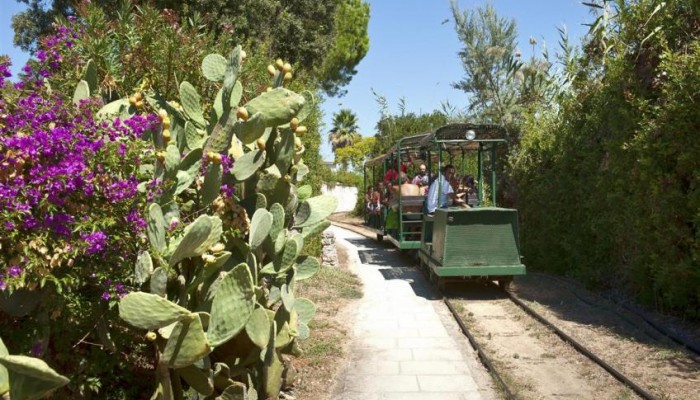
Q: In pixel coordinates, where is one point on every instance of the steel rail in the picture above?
(582, 349)
(482, 355)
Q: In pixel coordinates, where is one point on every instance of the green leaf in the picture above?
(31, 377)
(315, 229)
(149, 311)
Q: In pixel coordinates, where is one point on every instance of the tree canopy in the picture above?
(324, 38)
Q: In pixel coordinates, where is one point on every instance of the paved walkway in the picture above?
(405, 344)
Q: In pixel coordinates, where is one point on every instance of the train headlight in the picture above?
(470, 135)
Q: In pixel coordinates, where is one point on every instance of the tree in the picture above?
(488, 60)
(308, 33)
(350, 46)
(355, 155)
(344, 132)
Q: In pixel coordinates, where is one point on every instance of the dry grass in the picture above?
(333, 290)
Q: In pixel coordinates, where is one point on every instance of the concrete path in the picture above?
(405, 343)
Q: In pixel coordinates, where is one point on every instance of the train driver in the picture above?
(446, 192)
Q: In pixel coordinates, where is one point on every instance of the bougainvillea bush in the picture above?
(71, 219)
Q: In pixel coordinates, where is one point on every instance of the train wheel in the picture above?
(380, 237)
(505, 283)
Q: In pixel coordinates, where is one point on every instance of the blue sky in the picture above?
(413, 52)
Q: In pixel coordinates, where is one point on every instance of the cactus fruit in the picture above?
(294, 124)
(288, 76)
(279, 64)
(271, 70)
(242, 113)
(261, 144)
(286, 68)
(300, 131)
(151, 336)
(217, 248)
(166, 136)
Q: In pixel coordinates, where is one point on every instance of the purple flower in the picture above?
(96, 242)
(14, 271)
(106, 296)
(37, 349)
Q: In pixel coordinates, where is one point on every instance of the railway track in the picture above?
(491, 365)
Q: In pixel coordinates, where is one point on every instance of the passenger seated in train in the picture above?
(422, 179)
(446, 192)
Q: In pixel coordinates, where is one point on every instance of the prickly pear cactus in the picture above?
(226, 228)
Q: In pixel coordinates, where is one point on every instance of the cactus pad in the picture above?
(82, 92)
(307, 267)
(315, 210)
(198, 237)
(260, 226)
(277, 212)
(191, 103)
(156, 227)
(172, 161)
(304, 192)
(144, 268)
(149, 311)
(258, 327)
(305, 309)
(278, 106)
(214, 67)
(31, 377)
(212, 183)
(248, 164)
(90, 76)
(199, 380)
(250, 130)
(232, 306)
(159, 282)
(315, 229)
(187, 343)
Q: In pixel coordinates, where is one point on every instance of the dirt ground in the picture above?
(539, 365)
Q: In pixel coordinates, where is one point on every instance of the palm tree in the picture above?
(344, 132)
